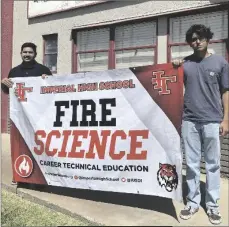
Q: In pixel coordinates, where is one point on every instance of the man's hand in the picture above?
(8, 82)
(177, 63)
(16, 93)
(43, 76)
(224, 128)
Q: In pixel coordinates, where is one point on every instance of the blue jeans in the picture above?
(198, 137)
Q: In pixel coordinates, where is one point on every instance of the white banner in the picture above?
(99, 131)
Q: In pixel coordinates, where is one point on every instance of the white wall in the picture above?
(162, 40)
(62, 23)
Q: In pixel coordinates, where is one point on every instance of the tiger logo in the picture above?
(167, 176)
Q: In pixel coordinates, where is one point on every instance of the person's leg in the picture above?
(211, 143)
(191, 137)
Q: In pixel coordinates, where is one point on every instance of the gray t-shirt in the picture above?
(205, 81)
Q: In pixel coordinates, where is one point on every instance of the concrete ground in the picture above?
(108, 208)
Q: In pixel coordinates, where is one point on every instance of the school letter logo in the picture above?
(160, 82)
(21, 90)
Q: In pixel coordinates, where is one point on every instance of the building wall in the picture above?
(105, 13)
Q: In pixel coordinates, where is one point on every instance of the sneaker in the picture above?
(13, 182)
(214, 216)
(188, 212)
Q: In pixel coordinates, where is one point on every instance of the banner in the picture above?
(116, 130)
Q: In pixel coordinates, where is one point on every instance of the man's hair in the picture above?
(201, 30)
(32, 45)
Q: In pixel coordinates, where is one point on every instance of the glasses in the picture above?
(201, 39)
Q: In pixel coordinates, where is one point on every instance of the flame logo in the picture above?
(24, 166)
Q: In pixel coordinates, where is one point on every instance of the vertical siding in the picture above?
(225, 156)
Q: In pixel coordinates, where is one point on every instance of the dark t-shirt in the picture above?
(33, 69)
(205, 81)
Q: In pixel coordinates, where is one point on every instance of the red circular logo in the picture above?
(23, 166)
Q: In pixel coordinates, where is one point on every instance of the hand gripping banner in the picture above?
(116, 130)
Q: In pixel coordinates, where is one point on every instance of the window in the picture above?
(217, 21)
(135, 44)
(50, 52)
(120, 46)
(93, 47)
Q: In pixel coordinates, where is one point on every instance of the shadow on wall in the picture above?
(155, 203)
(109, 5)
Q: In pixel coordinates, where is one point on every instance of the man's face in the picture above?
(27, 54)
(198, 43)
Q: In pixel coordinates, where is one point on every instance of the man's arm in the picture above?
(6, 83)
(47, 71)
(224, 127)
(225, 98)
(5, 89)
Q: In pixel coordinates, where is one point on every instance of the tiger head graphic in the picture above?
(167, 176)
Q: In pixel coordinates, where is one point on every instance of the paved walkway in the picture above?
(111, 208)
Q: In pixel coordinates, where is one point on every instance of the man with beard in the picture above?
(28, 68)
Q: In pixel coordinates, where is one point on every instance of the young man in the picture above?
(205, 119)
(28, 68)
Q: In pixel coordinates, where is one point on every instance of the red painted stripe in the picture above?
(6, 53)
(112, 55)
(136, 47)
(74, 57)
(91, 51)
